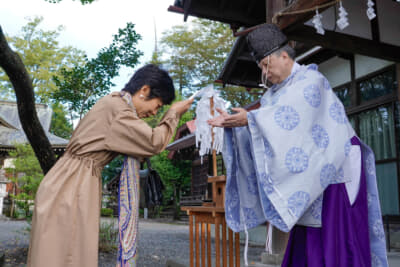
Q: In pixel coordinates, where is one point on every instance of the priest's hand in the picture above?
(230, 120)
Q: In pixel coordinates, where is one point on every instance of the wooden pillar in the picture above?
(224, 254)
(191, 239)
(217, 243)
(237, 249)
(197, 243)
(208, 244)
(203, 244)
(279, 241)
(231, 253)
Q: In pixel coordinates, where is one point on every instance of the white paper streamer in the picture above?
(370, 10)
(203, 129)
(342, 22)
(317, 23)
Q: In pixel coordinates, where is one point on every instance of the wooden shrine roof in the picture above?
(379, 38)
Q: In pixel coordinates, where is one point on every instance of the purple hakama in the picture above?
(343, 239)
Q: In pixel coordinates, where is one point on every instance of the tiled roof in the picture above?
(11, 130)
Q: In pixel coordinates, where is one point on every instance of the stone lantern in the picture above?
(3, 189)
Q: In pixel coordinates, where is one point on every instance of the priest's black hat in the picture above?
(264, 40)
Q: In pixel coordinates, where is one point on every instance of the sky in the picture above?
(90, 27)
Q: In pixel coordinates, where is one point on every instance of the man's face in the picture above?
(274, 68)
(149, 107)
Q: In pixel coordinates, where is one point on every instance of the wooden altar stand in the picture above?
(200, 220)
(212, 213)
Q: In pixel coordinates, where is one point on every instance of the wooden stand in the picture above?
(212, 213)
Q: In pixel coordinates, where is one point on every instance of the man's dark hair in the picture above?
(157, 79)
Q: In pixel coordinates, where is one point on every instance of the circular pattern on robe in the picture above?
(298, 202)
(340, 175)
(337, 113)
(312, 95)
(268, 149)
(252, 186)
(327, 86)
(300, 77)
(296, 160)
(320, 136)
(377, 228)
(316, 208)
(232, 198)
(347, 147)
(328, 175)
(250, 215)
(287, 117)
(370, 162)
(375, 261)
(266, 183)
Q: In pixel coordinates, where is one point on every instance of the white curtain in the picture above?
(377, 130)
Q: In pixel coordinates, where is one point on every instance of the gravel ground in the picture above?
(158, 242)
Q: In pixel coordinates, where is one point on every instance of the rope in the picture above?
(283, 13)
(246, 246)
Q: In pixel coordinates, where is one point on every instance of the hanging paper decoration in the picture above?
(342, 22)
(371, 11)
(317, 23)
(203, 129)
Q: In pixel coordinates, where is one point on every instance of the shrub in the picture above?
(107, 212)
(108, 236)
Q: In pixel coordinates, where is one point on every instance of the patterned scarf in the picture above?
(128, 206)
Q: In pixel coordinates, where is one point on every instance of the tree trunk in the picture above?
(22, 83)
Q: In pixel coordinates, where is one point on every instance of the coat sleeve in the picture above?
(132, 136)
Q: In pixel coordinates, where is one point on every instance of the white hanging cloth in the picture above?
(203, 129)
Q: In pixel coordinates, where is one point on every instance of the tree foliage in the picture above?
(196, 53)
(60, 125)
(27, 175)
(81, 86)
(112, 169)
(43, 58)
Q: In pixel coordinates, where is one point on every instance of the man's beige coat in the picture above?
(65, 226)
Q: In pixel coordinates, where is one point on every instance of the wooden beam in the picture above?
(272, 8)
(375, 25)
(288, 20)
(345, 43)
(186, 6)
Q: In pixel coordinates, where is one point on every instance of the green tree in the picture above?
(43, 58)
(112, 169)
(27, 175)
(60, 125)
(174, 174)
(196, 54)
(81, 86)
(21, 81)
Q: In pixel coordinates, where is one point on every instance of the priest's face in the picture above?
(276, 67)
